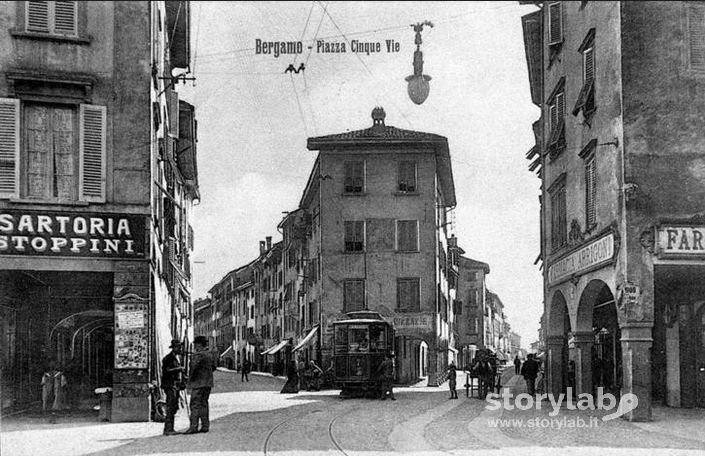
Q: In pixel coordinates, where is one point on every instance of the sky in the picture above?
(254, 119)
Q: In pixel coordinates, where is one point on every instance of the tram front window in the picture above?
(377, 338)
(359, 339)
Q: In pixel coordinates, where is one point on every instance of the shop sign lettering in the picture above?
(415, 321)
(595, 253)
(681, 240)
(76, 235)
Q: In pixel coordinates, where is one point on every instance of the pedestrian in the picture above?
(517, 365)
(315, 374)
(485, 374)
(200, 383)
(48, 386)
(451, 381)
(386, 371)
(301, 372)
(172, 384)
(246, 365)
(529, 371)
(292, 379)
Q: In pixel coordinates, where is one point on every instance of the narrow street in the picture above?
(253, 418)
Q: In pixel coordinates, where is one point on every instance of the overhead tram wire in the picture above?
(315, 36)
(303, 33)
(298, 103)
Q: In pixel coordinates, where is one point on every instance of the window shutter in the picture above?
(589, 64)
(92, 153)
(590, 192)
(37, 16)
(696, 36)
(9, 147)
(65, 18)
(173, 106)
(554, 21)
(560, 108)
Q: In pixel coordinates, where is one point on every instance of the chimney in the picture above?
(261, 247)
(378, 116)
(269, 242)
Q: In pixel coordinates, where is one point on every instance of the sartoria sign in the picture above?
(681, 240)
(423, 322)
(594, 254)
(67, 234)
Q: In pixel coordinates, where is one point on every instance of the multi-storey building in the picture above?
(203, 319)
(94, 197)
(620, 151)
(379, 201)
(472, 299)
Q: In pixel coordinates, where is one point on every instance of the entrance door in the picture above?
(699, 333)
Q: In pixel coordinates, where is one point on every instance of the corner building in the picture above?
(619, 150)
(85, 232)
(379, 201)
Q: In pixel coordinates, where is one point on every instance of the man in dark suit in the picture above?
(172, 384)
(200, 383)
(529, 371)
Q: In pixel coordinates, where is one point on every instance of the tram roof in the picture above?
(361, 320)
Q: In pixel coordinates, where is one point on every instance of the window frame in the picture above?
(397, 239)
(559, 218)
(349, 187)
(689, 8)
(81, 37)
(588, 155)
(415, 304)
(555, 104)
(346, 303)
(585, 101)
(354, 240)
(402, 178)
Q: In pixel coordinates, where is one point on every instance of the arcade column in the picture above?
(583, 362)
(637, 342)
(554, 370)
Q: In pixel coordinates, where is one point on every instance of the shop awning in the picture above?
(453, 349)
(228, 350)
(306, 339)
(275, 348)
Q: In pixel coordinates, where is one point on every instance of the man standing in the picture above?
(245, 370)
(529, 371)
(451, 381)
(517, 365)
(386, 369)
(172, 384)
(200, 384)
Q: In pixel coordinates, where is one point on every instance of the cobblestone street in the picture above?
(254, 418)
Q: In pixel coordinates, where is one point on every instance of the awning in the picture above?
(228, 350)
(454, 350)
(306, 339)
(275, 348)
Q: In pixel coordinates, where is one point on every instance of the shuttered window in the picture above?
(408, 299)
(407, 176)
(590, 192)
(56, 18)
(559, 225)
(9, 147)
(354, 236)
(354, 176)
(696, 36)
(173, 110)
(353, 295)
(92, 153)
(407, 235)
(555, 30)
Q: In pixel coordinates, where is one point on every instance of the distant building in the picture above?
(619, 150)
(472, 303)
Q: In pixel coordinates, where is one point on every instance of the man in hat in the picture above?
(200, 383)
(172, 383)
(386, 371)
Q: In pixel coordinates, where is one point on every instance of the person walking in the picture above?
(315, 374)
(292, 379)
(517, 365)
(529, 371)
(172, 383)
(451, 381)
(386, 371)
(246, 366)
(200, 384)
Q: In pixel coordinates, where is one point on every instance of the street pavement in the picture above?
(253, 418)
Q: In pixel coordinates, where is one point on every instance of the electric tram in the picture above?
(361, 342)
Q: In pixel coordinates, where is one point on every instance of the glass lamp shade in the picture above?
(418, 88)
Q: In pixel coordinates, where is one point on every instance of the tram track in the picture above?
(330, 428)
